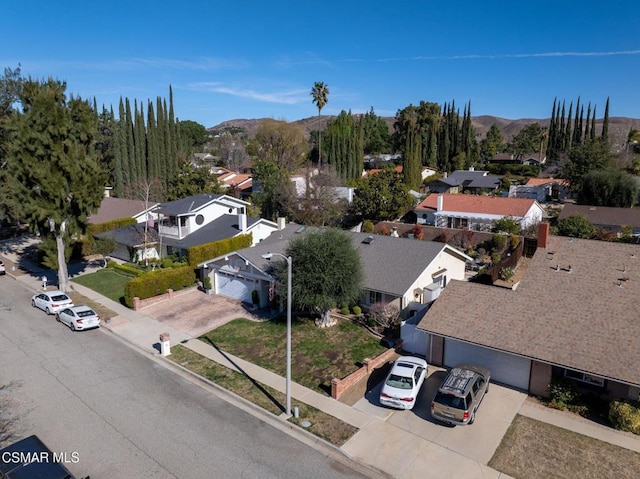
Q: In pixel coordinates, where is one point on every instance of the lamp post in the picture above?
(268, 256)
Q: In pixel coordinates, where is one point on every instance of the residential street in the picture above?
(126, 415)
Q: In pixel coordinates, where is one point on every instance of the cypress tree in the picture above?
(593, 124)
(605, 123)
(131, 166)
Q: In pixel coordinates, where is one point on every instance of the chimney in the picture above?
(242, 220)
(440, 203)
(543, 235)
(282, 221)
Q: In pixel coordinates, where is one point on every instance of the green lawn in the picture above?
(318, 354)
(107, 282)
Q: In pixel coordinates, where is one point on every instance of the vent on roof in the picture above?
(368, 240)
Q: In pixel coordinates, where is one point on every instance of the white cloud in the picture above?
(290, 97)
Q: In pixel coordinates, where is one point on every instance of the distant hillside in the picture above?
(618, 126)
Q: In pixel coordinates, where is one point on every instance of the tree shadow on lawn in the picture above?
(243, 372)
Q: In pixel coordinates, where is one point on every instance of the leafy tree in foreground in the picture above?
(327, 271)
(576, 226)
(52, 162)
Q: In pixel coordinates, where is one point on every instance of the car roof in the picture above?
(33, 470)
(82, 307)
(407, 363)
(54, 293)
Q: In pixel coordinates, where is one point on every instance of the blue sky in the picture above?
(255, 59)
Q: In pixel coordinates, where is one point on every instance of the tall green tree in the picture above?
(608, 188)
(593, 155)
(492, 144)
(528, 140)
(605, 123)
(377, 137)
(576, 226)
(10, 88)
(53, 163)
(382, 196)
(326, 271)
(192, 181)
(273, 191)
(320, 95)
(194, 134)
(344, 146)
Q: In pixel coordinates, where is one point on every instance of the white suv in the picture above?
(2, 268)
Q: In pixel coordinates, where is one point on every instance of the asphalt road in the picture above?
(121, 414)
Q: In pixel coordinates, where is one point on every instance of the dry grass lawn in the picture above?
(535, 450)
(323, 425)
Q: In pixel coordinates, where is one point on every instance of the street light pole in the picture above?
(289, 260)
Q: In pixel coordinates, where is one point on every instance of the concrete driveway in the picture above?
(478, 441)
(194, 312)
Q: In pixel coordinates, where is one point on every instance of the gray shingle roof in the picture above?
(604, 216)
(586, 319)
(112, 208)
(186, 205)
(390, 264)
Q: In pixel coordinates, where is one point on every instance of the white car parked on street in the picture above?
(79, 318)
(51, 301)
(3, 270)
(403, 383)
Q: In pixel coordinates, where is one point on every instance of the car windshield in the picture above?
(399, 382)
(450, 400)
(85, 313)
(59, 297)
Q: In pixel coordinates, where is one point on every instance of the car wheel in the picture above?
(48, 310)
(72, 326)
(473, 417)
(33, 303)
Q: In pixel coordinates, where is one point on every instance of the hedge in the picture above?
(204, 252)
(158, 282)
(93, 230)
(130, 270)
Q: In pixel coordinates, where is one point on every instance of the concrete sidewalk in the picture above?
(379, 443)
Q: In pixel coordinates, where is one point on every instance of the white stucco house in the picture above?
(476, 212)
(188, 222)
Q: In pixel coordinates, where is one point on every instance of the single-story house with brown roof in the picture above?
(476, 212)
(606, 218)
(573, 315)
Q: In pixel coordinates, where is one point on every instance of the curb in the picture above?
(293, 430)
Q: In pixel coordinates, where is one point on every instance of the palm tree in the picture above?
(320, 94)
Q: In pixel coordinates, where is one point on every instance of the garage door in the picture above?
(235, 287)
(505, 368)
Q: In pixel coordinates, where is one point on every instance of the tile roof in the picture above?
(603, 215)
(480, 204)
(112, 208)
(391, 265)
(585, 319)
(546, 181)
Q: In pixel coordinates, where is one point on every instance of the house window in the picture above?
(584, 377)
(375, 297)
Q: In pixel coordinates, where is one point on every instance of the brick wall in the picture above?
(339, 386)
(139, 304)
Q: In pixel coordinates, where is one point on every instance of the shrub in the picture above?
(514, 241)
(625, 415)
(206, 284)
(562, 393)
(384, 230)
(506, 274)
(126, 269)
(495, 258)
(357, 310)
(344, 310)
(499, 242)
(166, 263)
(368, 226)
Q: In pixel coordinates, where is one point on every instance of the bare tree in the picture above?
(386, 315)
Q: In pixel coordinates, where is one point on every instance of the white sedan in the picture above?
(51, 301)
(403, 382)
(79, 318)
